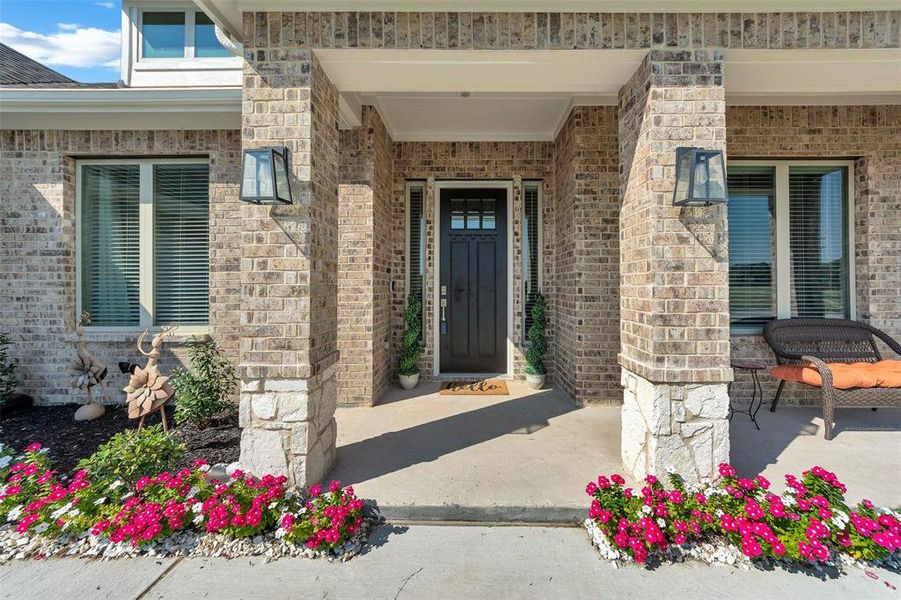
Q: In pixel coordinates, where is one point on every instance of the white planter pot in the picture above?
(408, 382)
(536, 382)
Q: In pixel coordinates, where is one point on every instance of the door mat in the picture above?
(486, 387)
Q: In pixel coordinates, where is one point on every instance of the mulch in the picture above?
(69, 440)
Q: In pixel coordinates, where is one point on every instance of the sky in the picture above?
(78, 38)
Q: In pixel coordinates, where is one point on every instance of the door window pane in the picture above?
(473, 210)
(458, 214)
(205, 42)
(163, 34)
(489, 219)
(752, 246)
(110, 286)
(818, 234)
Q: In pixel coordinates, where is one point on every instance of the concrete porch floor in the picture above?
(527, 456)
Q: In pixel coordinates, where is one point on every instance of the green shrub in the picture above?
(537, 343)
(204, 391)
(7, 370)
(130, 455)
(410, 348)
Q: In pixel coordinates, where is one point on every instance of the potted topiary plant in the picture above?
(408, 370)
(535, 371)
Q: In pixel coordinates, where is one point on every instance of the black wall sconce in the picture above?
(700, 177)
(265, 177)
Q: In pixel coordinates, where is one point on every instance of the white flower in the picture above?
(271, 506)
(193, 491)
(100, 501)
(115, 484)
(671, 470)
(646, 509)
(41, 528)
(5, 460)
(14, 513)
(661, 523)
(280, 533)
(197, 507)
(198, 520)
(788, 500)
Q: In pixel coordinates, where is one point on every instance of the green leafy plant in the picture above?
(7, 370)
(204, 391)
(537, 342)
(410, 348)
(129, 455)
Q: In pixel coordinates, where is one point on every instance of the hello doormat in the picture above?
(486, 387)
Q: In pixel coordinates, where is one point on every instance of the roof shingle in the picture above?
(17, 70)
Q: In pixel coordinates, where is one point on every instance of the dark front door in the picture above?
(473, 280)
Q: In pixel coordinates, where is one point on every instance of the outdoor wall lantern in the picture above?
(700, 177)
(264, 176)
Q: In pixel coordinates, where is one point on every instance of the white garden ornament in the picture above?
(88, 372)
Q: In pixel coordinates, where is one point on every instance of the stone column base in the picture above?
(289, 427)
(683, 426)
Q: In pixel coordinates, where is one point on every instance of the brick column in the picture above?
(289, 271)
(674, 271)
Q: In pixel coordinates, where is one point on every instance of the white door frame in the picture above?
(506, 184)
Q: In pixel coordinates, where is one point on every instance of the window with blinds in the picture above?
(181, 244)
(144, 242)
(818, 237)
(416, 242)
(531, 220)
(789, 241)
(110, 245)
(752, 246)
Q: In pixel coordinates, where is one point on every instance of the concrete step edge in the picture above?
(484, 515)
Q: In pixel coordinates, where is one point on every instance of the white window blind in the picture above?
(181, 243)
(144, 242)
(416, 244)
(789, 241)
(110, 233)
(818, 233)
(531, 250)
(752, 246)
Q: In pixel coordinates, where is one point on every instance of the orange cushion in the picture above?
(882, 374)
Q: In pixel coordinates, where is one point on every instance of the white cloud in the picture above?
(106, 4)
(71, 46)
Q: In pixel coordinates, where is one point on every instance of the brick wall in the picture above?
(37, 249)
(364, 261)
(586, 255)
(674, 260)
(871, 135)
(432, 161)
(567, 30)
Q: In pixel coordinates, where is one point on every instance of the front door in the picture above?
(473, 280)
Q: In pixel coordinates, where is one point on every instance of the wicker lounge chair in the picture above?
(815, 342)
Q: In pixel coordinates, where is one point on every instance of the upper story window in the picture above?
(179, 34)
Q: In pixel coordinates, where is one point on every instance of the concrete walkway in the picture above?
(527, 456)
(431, 562)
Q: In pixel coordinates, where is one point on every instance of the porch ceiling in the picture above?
(516, 95)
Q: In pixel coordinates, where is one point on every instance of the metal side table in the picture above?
(757, 395)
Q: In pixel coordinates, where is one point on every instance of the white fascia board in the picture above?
(122, 100)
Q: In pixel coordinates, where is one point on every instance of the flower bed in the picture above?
(169, 513)
(740, 520)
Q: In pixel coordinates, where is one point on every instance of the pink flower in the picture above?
(591, 488)
(237, 474)
(617, 479)
(315, 490)
(603, 482)
(726, 470)
(334, 486)
(762, 482)
(32, 447)
(650, 479)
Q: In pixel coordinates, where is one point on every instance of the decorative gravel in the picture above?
(14, 546)
(728, 554)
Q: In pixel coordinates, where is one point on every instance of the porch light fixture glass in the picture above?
(700, 177)
(264, 176)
